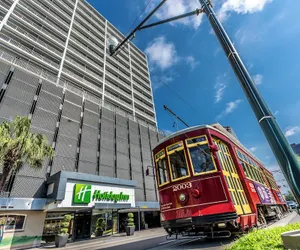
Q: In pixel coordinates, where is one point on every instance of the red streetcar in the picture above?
(210, 184)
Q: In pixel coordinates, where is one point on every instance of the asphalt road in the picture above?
(160, 243)
(155, 239)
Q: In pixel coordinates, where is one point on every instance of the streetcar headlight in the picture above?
(182, 197)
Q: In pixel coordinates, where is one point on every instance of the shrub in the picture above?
(67, 218)
(263, 239)
(100, 225)
(130, 220)
(64, 225)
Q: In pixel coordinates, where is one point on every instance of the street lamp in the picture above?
(282, 150)
(112, 44)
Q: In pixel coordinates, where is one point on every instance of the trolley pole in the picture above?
(282, 150)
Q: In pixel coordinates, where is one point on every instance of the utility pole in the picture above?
(282, 150)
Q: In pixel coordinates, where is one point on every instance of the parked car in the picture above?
(292, 204)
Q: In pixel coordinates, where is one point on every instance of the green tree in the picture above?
(18, 145)
(289, 196)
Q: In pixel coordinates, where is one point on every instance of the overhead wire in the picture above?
(179, 96)
(123, 48)
(139, 16)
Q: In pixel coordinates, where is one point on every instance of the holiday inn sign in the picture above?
(85, 193)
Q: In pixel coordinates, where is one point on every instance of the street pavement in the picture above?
(155, 239)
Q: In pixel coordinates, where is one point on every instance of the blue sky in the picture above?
(187, 56)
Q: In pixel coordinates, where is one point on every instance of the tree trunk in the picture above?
(4, 177)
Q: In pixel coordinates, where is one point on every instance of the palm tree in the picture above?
(18, 145)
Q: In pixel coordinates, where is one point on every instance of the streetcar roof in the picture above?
(217, 127)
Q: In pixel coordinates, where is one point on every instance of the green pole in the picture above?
(283, 152)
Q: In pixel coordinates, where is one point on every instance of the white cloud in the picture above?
(276, 112)
(291, 131)
(241, 7)
(253, 149)
(220, 87)
(161, 53)
(230, 107)
(190, 60)
(178, 7)
(220, 91)
(258, 79)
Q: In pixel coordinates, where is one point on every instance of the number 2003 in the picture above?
(182, 186)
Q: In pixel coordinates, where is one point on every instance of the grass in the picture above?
(15, 240)
(268, 239)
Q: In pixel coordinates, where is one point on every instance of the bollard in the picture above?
(291, 239)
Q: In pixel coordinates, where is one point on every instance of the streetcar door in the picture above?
(233, 181)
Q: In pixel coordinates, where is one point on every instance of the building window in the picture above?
(12, 222)
(177, 161)
(161, 168)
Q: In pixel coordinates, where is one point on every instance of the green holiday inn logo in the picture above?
(82, 194)
(109, 196)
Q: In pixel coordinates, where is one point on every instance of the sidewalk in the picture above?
(295, 219)
(291, 218)
(113, 240)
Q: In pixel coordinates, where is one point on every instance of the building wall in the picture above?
(30, 236)
(111, 144)
(66, 42)
(96, 110)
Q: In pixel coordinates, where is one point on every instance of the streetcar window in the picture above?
(201, 159)
(228, 185)
(162, 171)
(232, 197)
(178, 165)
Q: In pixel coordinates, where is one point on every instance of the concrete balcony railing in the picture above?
(118, 90)
(117, 80)
(29, 52)
(84, 9)
(85, 50)
(118, 72)
(85, 39)
(137, 58)
(34, 39)
(53, 12)
(139, 68)
(71, 3)
(80, 80)
(144, 105)
(99, 32)
(64, 6)
(43, 21)
(119, 64)
(39, 29)
(89, 35)
(141, 81)
(119, 100)
(145, 91)
(86, 60)
(145, 98)
(143, 114)
(84, 70)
